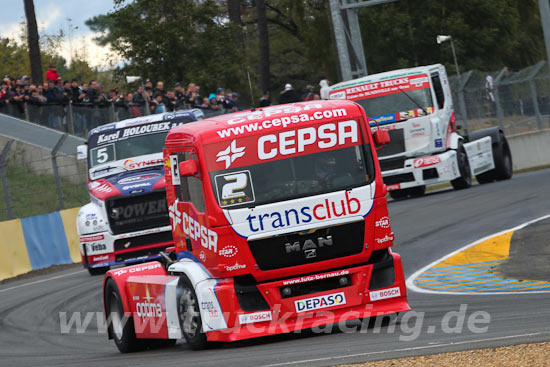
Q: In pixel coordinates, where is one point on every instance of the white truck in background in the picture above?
(415, 106)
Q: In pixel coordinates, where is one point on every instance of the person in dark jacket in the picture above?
(289, 95)
(266, 99)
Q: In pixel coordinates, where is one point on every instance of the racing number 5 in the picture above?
(102, 155)
(236, 182)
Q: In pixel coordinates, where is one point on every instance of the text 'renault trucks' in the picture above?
(280, 223)
(127, 219)
(415, 106)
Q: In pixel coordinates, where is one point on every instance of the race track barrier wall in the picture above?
(38, 242)
(530, 149)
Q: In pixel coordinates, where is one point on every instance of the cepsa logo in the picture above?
(131, 164)
(316, 303)
(426, 161)
(291, 217)
(190, 227)
(324, 136)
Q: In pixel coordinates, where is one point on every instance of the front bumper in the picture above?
(423, 171)
(282, 314)
(105, 249)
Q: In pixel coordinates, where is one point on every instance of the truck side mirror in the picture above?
(81, 152)
(381, 137)
(189, 168)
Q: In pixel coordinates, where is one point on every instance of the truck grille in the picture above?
(139, 241)
(392, 163)
(300, 248)
(396, 145)
(395, 179)
(135, 213)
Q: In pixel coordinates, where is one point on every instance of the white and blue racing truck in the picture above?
(416, 107)
(127, 219)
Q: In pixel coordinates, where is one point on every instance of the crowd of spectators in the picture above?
(89, 99)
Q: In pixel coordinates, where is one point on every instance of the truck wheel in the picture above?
(190, 316)
(503, 160)
(398, 194)
(465, 179)
(415, 192)
(122, 330)
(503, 163)
(98, 271)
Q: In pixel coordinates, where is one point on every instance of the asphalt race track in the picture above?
(426, 229)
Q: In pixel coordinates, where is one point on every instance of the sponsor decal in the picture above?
(131, 164)
(138, 178)
(105, 138)
(135, 298)
(297, 114)
(393, 187)
(96, 247)
(311, 278)
(92, 238)
(320, 302)
(229, 251)
(385, 293)
(145, 309)
(234, 267)
(324, 136)
(104, 188)
(249, 318)
(137, 269)
(100, 258)
(426, 161)
(138, 209)
(438, 143)
(324, 210)
(383, 222)
(383, 119)
(192, 228)
(209, 307)
(229, 154)
(338, 95)
(202, 256)
(135, 186)
(385, 239)
(138, 191)
(93, 185)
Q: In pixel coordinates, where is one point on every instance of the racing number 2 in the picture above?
(234, 188)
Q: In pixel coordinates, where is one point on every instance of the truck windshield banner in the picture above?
(382, 88)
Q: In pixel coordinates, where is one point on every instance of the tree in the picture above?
(263, 43)
(33, 42)
(174, 41)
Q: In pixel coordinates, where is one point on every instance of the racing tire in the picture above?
(98, 271)
(503, 160)
(398, 194)
(189, 315)
(465, 179)
(502, 157)
(123, 333)
(415, 192)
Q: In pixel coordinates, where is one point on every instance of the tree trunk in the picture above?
(264, 45)
(34, 47)
(234, 10)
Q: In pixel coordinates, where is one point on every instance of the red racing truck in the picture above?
(280, 223)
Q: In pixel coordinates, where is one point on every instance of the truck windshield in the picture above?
(294, 177)
(398, 104)
(117, 149)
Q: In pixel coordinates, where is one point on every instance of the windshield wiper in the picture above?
(413, 100)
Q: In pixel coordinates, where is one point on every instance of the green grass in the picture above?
(35, 194)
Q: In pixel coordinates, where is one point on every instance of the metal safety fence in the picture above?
(36, 180)
(517, 101)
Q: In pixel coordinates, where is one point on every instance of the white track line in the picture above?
(40, 281)
(410, 280)
(401, 350)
